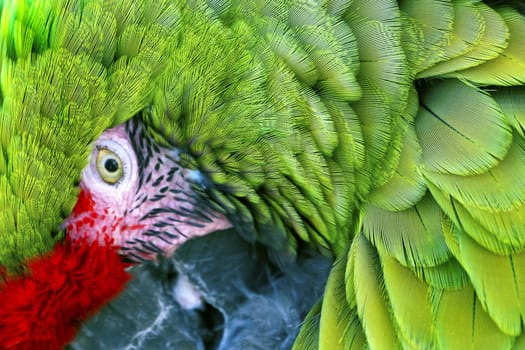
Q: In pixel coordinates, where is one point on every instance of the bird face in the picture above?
(135, 194)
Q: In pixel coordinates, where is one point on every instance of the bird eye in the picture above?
(109, 166)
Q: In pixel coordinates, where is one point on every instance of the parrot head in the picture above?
(135, 192)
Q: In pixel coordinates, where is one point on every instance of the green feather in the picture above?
(308, 337)
(512, 103)
(435, 21)
(503, 187)
(407, 185)
(334, 309)
(490, 239)
(500, 294)
(410, 301)
(461, 323)
(449, 275)
(494, 35)
(468, 29)
(413, 236)
(384, 78)
(461, 129)
(370, 295)
(508, 67)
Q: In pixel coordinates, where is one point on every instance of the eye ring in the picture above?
(109, 166)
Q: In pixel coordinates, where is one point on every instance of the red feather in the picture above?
(43, 309)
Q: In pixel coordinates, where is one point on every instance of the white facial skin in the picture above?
(143, 202)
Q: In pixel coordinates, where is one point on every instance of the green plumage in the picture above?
(387, 134)
(64, 80)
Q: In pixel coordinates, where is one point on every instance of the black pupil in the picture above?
(111, 165)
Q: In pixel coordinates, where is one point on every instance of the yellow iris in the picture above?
(109, 166)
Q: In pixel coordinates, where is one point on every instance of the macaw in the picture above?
(388, 135)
